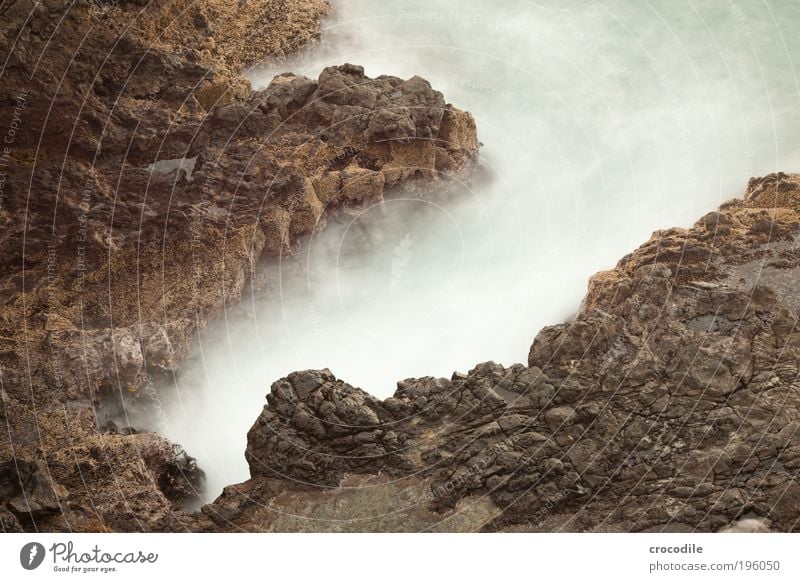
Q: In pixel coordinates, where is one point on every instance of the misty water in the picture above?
(601, 122)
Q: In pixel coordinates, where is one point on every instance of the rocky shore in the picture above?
(144, 182)
(668, 404)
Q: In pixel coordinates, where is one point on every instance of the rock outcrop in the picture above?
(142, 181)
(670, 403)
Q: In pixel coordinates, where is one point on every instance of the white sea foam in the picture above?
(602, 121)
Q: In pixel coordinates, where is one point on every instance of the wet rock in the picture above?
(31, 488)
(181, 480)
(666, 405)
(318, 413)
(160, 186)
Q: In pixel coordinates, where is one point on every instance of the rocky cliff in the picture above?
(143, 182)
(670, 403)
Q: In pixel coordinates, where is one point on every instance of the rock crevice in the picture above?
(668, 404)
(142, 192)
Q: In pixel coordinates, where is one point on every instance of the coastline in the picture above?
(665, 405)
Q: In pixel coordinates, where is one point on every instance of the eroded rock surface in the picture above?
(145, 180)
(670, 403)
(142, 182)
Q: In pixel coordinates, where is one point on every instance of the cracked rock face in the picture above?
(669, 403)
(138, 199)
(143, 207)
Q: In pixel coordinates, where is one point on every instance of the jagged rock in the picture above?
(181, 480)
(319, 413)
(30, 489)
(667, 404)
(146, 206)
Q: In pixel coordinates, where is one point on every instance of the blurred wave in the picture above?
(601, 122)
